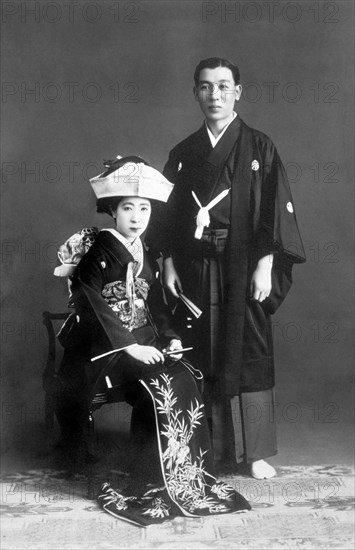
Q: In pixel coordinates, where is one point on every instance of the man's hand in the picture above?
(175, 345)
(260, 285)
(145, 354)
(171, 279)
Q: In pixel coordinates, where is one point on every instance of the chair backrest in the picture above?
(49, 322)
(50, 374)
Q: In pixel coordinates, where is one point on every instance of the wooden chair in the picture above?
(53, 384)
(51, 381)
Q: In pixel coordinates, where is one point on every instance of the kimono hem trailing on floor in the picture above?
(188, 487)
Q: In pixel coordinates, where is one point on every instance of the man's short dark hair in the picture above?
(213, 63)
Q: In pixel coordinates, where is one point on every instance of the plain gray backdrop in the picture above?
(87, 82)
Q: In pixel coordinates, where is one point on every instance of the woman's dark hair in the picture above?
(109, 204)
(213, 63)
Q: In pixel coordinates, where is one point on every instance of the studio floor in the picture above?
(308, 505)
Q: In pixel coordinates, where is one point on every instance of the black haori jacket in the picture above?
(260, 219)
(97, 329)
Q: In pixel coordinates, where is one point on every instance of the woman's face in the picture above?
(132, 216)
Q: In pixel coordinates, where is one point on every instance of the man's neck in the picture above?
(217, 126)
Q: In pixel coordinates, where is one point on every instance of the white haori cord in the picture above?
(203, 217)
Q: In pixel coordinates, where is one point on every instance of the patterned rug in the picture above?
(304, 507)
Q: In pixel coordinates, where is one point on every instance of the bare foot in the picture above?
(262, 470)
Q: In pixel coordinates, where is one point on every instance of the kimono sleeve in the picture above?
(160, 312)
(277, 229)
(93, 309)
(169, 215)
(170, 170)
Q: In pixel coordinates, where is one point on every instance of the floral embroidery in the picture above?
(157, 509)
(148, 493)
(110, 496)
(188, 488)
(222, 490)
(185, 478)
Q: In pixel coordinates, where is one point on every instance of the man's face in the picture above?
(216, 93)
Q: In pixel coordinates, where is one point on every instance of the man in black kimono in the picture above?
(231, 238)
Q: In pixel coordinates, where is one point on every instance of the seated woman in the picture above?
(122, 335)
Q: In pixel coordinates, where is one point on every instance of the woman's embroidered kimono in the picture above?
(168, 424)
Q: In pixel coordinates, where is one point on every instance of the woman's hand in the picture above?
(145, 354)
(171, 279)
(175, 345)
(260, 285)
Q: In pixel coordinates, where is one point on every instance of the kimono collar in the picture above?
(214, 140)
(225, 145)
(114, 246)
(135, 248)
(123, 239)
(201, 150)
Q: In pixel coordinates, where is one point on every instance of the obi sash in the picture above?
(132, 315)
